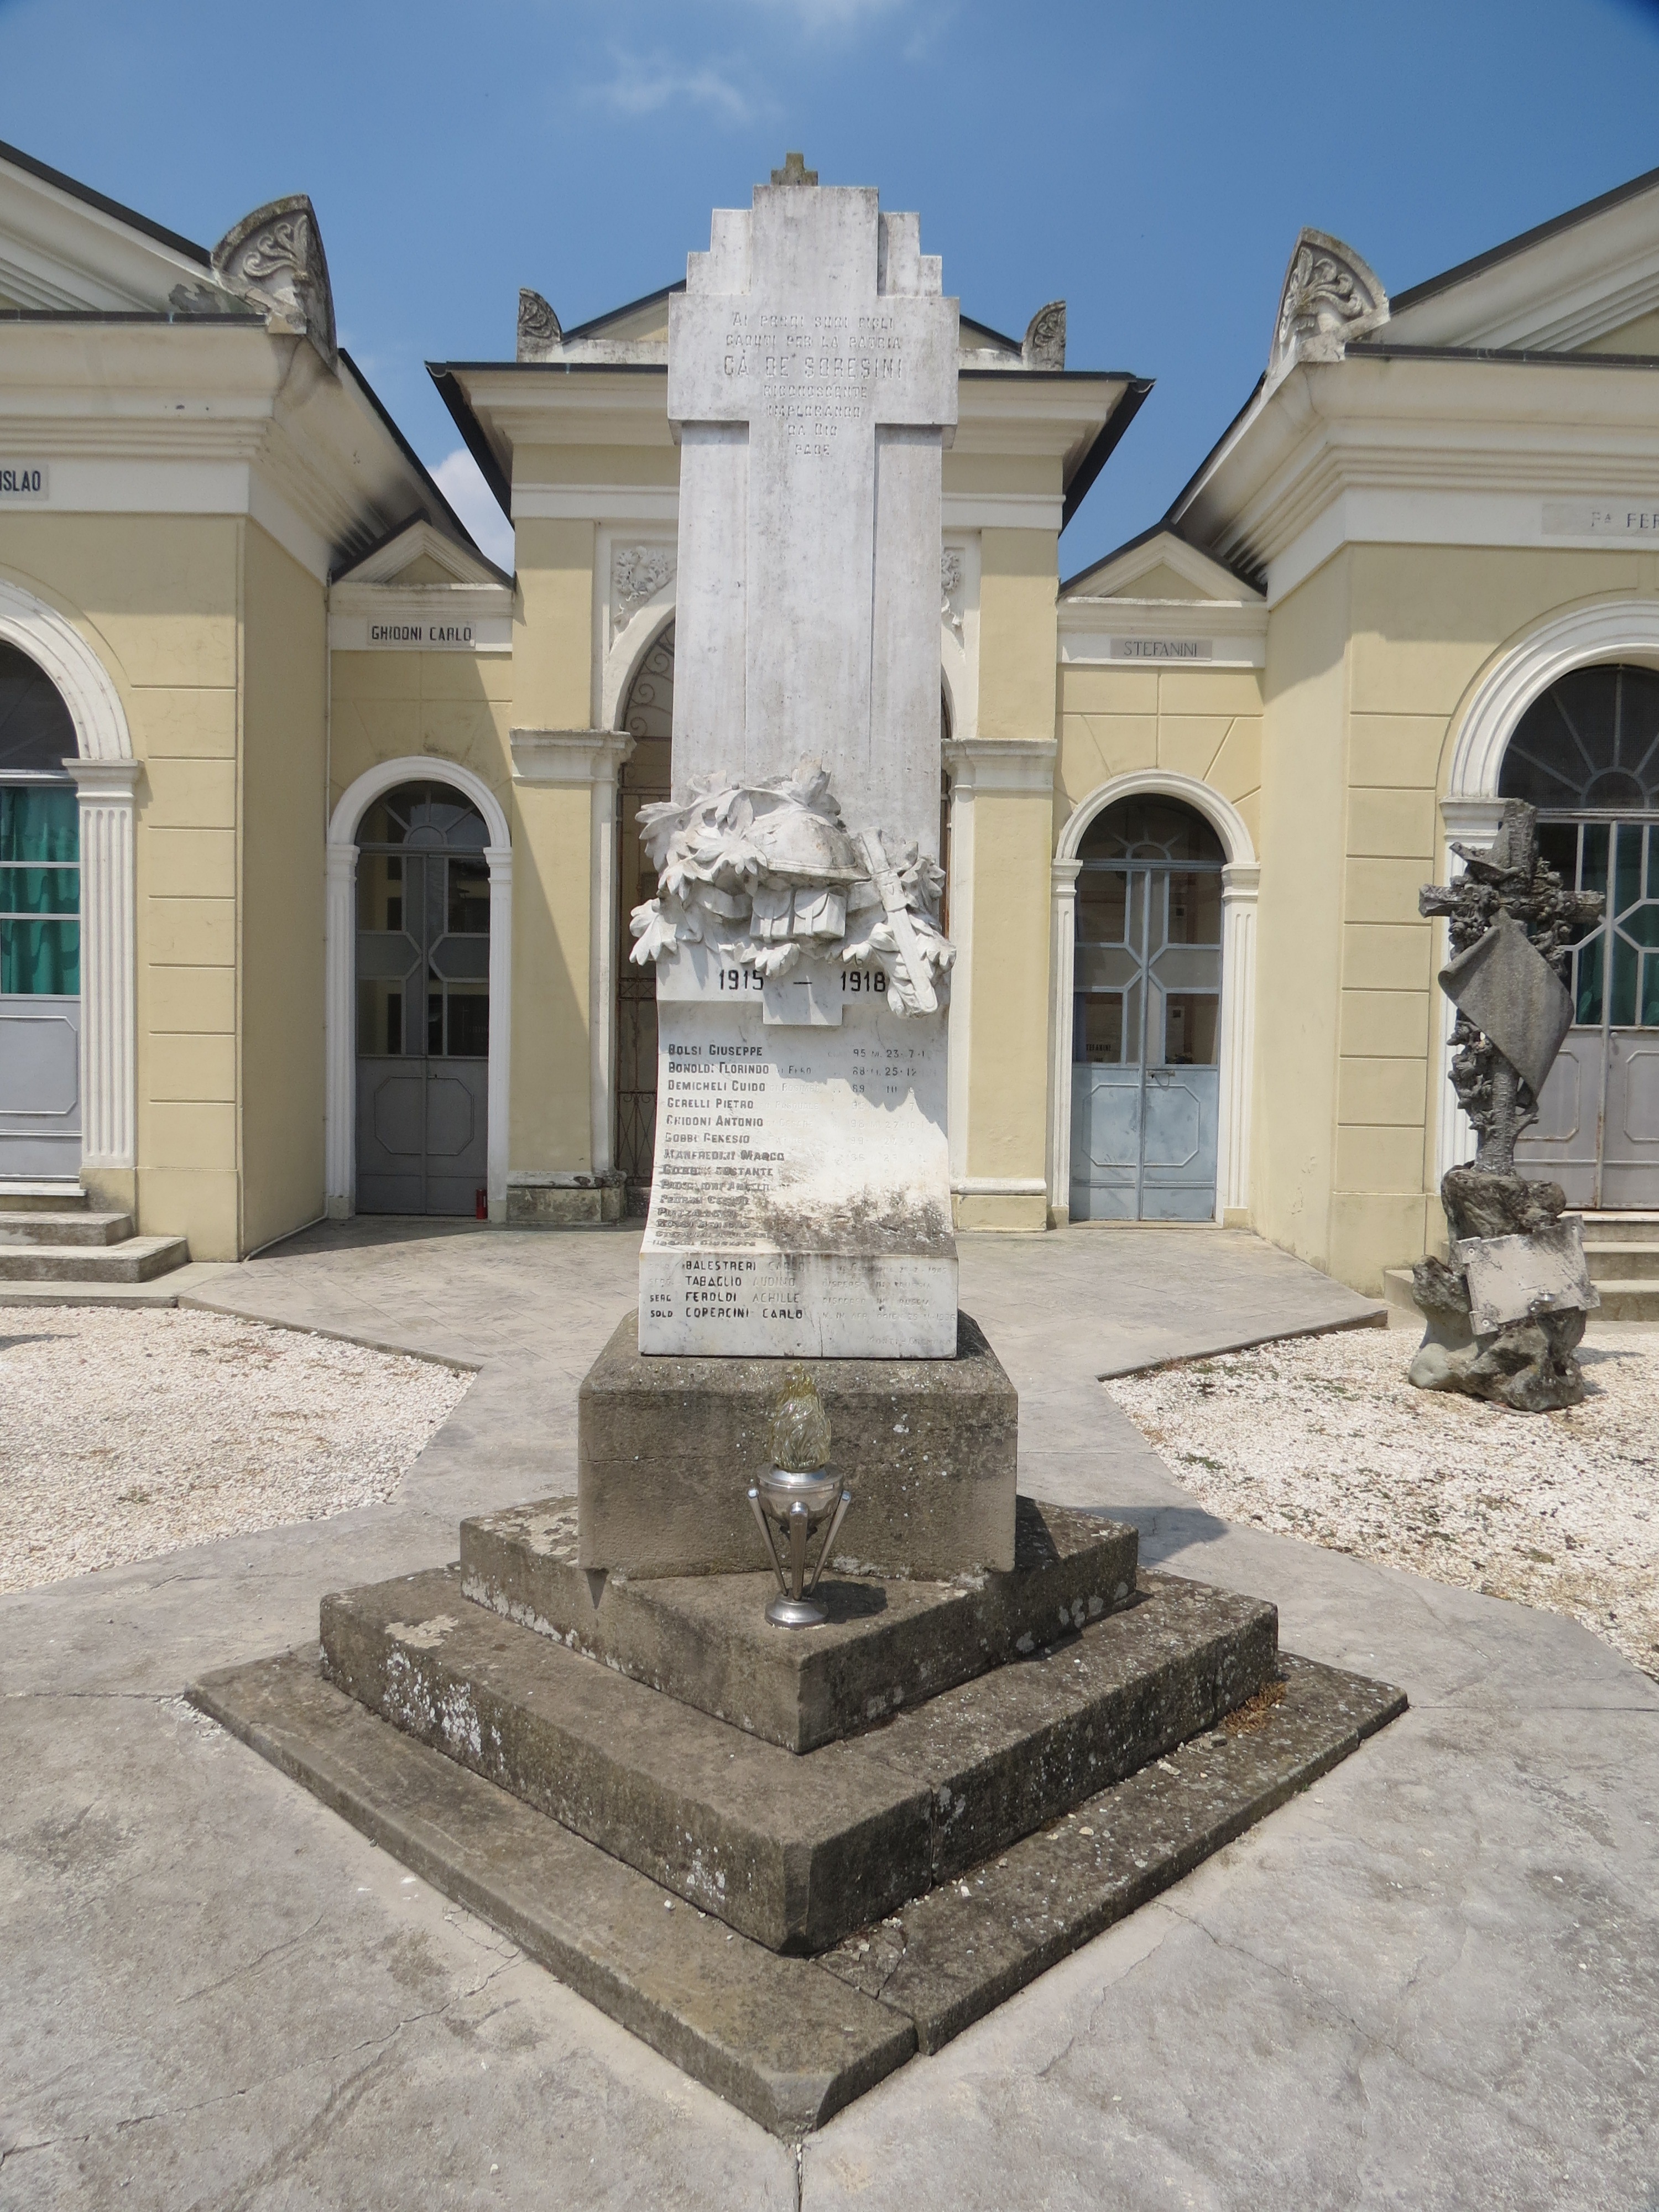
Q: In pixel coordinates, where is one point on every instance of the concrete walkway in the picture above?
(1432, 1981)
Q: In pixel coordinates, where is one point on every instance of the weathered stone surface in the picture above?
(1443, 1299)
(1479, 1203)
(779, 2039)
(794, 1850)
(666, 1448)
(791, 2041)
(705, 1639)
(780, 1848)
(1527, 1365)
(950, 1957)
(811, 383)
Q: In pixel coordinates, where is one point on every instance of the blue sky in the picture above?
(1152, 164)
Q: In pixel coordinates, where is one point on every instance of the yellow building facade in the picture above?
(344, 925)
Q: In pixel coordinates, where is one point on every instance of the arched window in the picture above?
(1586, 754)
(40, 835)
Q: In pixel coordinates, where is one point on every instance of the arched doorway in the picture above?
(649, 718)
(423, 1011)
(39, 928)
(1586, 755)
(1146, 1014)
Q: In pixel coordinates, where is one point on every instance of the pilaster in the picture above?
(550, 768)
(109, 1072)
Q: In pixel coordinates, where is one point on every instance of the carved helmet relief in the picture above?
(1329, 296)
(274, 258)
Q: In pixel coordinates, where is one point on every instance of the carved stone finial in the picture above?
(794, 171)
(274, 258)
(1329, 296)
(539, 334)
(1045, 337)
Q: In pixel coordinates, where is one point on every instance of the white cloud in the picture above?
(644, 84)
(457, 479)
(815, 15)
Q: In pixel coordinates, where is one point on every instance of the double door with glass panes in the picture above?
(423, 1005)
(1597, 1131)
(1145, 1082)
(1586, 754)
(39, 928)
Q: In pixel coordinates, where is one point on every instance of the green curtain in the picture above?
(39, 849)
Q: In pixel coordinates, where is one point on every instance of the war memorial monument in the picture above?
(988, 1734)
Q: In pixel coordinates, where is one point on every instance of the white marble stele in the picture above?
(800, 1207)
(801, 1201)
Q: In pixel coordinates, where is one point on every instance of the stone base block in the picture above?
(887, 1647)
(792, 1852)
(565, 1201)
(793, 2041)
(666, 1448)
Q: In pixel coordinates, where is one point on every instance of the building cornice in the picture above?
(1073, 417)
(1001, 764)
(568, 756)
(1428, 448)
(208, 417)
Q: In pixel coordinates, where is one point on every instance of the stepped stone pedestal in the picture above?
(882, 1828)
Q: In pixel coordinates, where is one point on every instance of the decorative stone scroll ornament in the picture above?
(274, 258)
(949, 584)
(1506, 1312)
(540, 336)
(765, 873)
(1045, 337)
(638, 573)
(1329, 296)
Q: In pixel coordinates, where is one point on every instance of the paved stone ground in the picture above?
(1432, 1981)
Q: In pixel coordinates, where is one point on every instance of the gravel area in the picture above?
(1324, 1439)
(126, 1434)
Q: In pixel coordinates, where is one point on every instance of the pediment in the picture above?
(1586, 281)
(1160, 566)
(417, 556)
(67, 249)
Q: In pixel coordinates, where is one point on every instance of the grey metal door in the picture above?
(1145, 1084)
(423, 1005)
(1597, 1131)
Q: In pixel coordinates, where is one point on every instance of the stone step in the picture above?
(791, 2041)
(1620, 1228)
(705, 1639)
(1620, 1262)
(39, 1226)
(53, 1196)
(797, 1850)
(139, 1260)
(1637, 1300)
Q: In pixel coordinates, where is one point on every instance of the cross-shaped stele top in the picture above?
(812, 385)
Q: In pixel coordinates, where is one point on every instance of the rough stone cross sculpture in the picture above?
(1506, 1311)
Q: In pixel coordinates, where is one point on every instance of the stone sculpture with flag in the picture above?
(1506, 1310)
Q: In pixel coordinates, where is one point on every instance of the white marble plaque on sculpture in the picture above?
(800, 1202)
